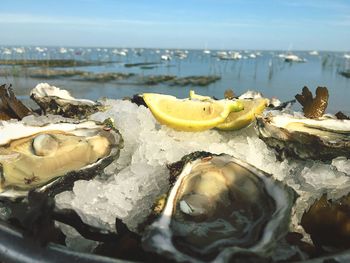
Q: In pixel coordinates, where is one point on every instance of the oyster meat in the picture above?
(219, 206)
(38, 156)
(297, 136)
(54, 100)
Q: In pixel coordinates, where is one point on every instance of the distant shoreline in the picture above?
(172, 48)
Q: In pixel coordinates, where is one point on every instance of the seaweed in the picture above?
(142, 64)
(49, 63)
(313, 107)
(194, 81)
(105, 77)
(341, 116)
(155, 80)
(76, 75)
(181, 81)
(10, 106)
(45, 73)
(326, 221)
(229, 94)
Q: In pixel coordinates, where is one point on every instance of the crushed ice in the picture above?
(140, 175)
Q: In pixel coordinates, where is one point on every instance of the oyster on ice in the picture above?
(323, 138)
(219, 206)
(58, 101)
(53, 154)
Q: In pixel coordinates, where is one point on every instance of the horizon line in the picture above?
(171, 48)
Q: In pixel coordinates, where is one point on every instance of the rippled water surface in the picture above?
(267, 72)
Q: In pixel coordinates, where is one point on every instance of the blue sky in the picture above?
(219, 24)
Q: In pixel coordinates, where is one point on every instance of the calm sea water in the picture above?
(267, 73)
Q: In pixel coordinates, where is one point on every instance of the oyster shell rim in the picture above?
(61, 183)
(65, 105)
(158, 237)
(293, 142)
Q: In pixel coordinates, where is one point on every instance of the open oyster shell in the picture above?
(323, 139)
(217, 207)
(53, 153)
(58, 101)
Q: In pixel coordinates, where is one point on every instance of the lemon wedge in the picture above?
(193, 95)
(239, 120)
(189, 114)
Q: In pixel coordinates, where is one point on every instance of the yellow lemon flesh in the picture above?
(239, 120)
(193, 95)
(187, 114)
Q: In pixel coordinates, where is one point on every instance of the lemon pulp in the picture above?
(187, 114)
(239, 120)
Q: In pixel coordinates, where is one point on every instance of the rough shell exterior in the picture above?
(53, 100)
(301, 144)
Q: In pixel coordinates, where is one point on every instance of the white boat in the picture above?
(63, 50)
(293, 58)
(181, 54)
(7, 51)
(231, 55)
(221, 53)
(235, 55)
(19, 50)
(165, 57)
(119, 53)
(206, 51)
(347, 56)
(40, 49)
(313, 53)
(252, 55)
